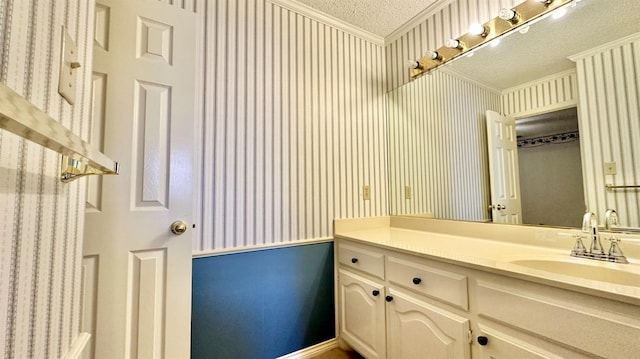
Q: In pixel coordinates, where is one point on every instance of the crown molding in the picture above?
(324, 18)
(420, 18)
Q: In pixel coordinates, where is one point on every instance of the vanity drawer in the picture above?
(447, 287)
(361, 259)
(590, 324)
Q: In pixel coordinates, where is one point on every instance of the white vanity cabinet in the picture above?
(380, 317)
(547, 322)
(398, 305)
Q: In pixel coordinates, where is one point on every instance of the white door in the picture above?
(144, 85)
(506, 204)
(420, 330)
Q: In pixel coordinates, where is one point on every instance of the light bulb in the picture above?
(547, 2)
(435, 55)
(478, 29)
(508, 15)
(414, 65)
(454, 44)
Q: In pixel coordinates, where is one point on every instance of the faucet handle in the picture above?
(615, 250)
(578, 247)
(615, 253)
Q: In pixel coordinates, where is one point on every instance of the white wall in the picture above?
(41, 219)
(439, 147)
(547, 94)
(294, 125)
(609, 119)
(551, 181)
(551, 184)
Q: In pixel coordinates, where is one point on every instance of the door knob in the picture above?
(178, 227)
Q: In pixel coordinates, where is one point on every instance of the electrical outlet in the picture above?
(366, 193)
(407, 192)
(610, 168)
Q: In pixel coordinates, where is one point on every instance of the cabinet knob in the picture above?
(354, 260)
(375, 293)
(417, 280)
(388, 298)
(482, 340)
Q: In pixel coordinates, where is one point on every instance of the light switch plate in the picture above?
(69, 66)
(610, 168)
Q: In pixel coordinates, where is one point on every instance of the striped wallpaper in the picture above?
(609, 119)
(430, 29)
(294, 126)
(41, 219)
(547, 94)
(438, 148)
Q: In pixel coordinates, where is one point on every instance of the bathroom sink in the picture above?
(599, 271)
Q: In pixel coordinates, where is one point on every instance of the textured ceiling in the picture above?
(380, 17)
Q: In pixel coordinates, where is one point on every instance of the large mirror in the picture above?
(572, 86)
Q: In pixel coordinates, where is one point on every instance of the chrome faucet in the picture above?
(610, 219)
(590, 230)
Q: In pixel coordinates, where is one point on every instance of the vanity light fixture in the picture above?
(454, 44)
(509, 20)
(509, 15)
(414, 65)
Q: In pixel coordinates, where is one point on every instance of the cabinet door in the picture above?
(362, 323)
(419, 330)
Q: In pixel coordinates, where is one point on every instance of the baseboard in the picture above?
(313, 350)
(75, 352)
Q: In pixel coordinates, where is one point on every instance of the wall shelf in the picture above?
(80, 158)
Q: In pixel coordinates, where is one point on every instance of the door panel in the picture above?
(144, 59)
(503, 169)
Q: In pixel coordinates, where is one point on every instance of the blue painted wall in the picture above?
(262, 304)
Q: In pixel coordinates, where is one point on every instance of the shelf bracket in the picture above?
(80, 158)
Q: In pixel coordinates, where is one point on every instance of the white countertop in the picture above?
(495, 256)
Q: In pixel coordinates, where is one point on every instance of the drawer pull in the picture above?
(417, 280)
(354, 260)
(388, 298)
(375, 293)
(482, 340)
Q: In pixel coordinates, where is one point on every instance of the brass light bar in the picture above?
(526, 13)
